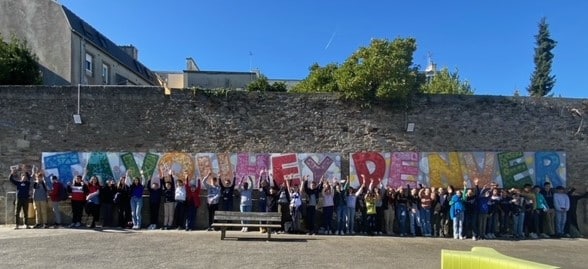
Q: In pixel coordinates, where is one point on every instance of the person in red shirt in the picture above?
(192, 205)
(54, 195)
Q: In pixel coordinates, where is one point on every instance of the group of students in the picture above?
(478, 212)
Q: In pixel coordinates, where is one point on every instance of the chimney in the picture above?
(130, 50)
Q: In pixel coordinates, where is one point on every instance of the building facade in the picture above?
(69, 50)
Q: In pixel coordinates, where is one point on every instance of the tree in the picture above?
(262, 84)
(320, 79)
(446, 82)
(384, 71)
(542, 81)
(18, 65)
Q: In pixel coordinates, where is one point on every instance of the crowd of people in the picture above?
(325, 206)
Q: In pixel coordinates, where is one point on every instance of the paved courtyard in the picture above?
(84, 248)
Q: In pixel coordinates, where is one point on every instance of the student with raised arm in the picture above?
(155, 186)
(136, 189)
(227, 188)
(168, 193)
(370, 201)
(352, 195)
(40, 192)
(328, 206)
(180, 197)
(457, 212)
(283, 197)
(340, 202)
(122, 200)
(313, 191)
(78, 190)
(212, 197)
(295, 204)
(22, 195)
(245, 204)
(93, 200)
(192, 204)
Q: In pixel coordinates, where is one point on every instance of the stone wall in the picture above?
(39, 119)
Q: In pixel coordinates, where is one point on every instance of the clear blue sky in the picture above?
(491, 43)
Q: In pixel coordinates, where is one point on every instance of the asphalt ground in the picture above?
(112, 248)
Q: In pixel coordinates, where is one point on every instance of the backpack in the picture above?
(62, 193)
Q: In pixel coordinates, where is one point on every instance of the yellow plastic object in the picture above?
(484, 258)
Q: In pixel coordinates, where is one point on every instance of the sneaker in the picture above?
(543, 235)
(533, 235)
(474, 238)
(77, 224)
(16, 227)
(28, 227)
(462, 237)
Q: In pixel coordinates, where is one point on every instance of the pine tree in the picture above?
(542, 81)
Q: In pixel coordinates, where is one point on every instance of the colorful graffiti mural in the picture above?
(107, 165)
(507, 169)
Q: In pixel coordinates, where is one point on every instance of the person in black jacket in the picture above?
(107, 199)
(22, 195)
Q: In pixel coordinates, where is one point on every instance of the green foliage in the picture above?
(542, 81)
(18, 65)
(261, 84)
(383, 71)
(320, 79)
(446, 82)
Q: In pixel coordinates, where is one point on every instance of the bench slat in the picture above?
(245, 225)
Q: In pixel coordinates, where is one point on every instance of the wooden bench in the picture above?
(227, 219)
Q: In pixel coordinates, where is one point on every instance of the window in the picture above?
(89, 63)
(105, 74)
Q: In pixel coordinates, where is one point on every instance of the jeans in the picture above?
(328, 217)
(136, 208)
(560, 221)
(518, 225)
(351, 219)
(56, 212)
(401, 211)
(458, 225)
(415, 219)
(191, 211)
(211, 209)
(341, 217)
(482, 222)
(426, 221)
(22, 204)
(245, 208)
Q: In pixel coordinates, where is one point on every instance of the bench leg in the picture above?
(269, 233)
(223, 231)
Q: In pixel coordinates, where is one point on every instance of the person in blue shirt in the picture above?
(22, 195)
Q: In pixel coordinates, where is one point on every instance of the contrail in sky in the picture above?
(330, 40)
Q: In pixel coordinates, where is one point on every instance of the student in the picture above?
(93, 201)
(379, 225)
(40, 193)
(245, 204)
(212, 198)
(518, 212)
(370, 201)
(180, 198)
(340, 202)
(284, 204)
(414, 214)
(106, 203)
(402, 210)
(328, 207)
(155, 194)
(136, 191)
(457, 213)
(561, 202)
(549, 219)
(79, 191)
(426, 202)
(169, 205)
(388, 202)
(122, 200)
(352, 195)
(295, 205)
(54, 195)
(227, 189)
(192, 204)
(471, 212)
(530, 207)
(541, 207)
(267, 198)
(312, 190)
(22, 196)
